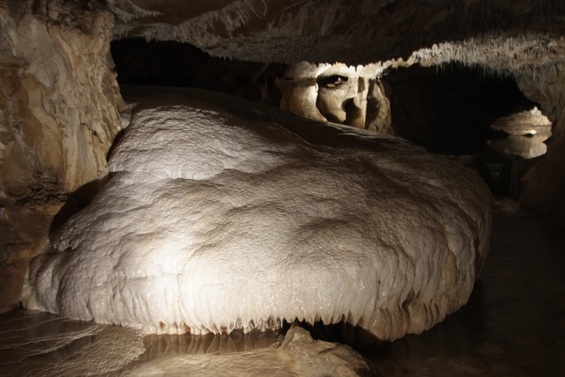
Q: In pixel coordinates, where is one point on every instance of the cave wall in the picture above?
(543, 186)
(59, 116)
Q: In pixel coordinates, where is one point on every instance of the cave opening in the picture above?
(450, 109)
(457, 110)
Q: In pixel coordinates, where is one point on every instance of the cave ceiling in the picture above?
(354, 32)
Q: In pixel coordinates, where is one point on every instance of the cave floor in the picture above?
(514, 322)
(513, 325)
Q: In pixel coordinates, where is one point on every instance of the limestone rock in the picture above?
(318, 358)
(58, 117)
(337, 93)
(218, 217)
(55, 133)
(297, 355)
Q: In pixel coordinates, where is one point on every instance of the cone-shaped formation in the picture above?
(217, 218)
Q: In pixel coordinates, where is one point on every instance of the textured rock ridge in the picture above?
(338, 93)
(353, 32)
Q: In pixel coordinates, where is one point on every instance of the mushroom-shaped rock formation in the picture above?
(234, 216)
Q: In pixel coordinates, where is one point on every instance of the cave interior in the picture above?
(455, 78)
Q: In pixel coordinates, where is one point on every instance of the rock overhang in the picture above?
(332, 31)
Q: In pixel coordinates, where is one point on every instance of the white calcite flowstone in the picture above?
(222, 214)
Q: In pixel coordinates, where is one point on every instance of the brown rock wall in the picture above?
(59, 113)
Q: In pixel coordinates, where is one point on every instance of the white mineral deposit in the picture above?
(218, 219)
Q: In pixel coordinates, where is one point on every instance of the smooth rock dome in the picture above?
(222, 214)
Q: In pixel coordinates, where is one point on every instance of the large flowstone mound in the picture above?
(222, 214)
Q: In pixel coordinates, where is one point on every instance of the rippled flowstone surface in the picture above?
(223, 215)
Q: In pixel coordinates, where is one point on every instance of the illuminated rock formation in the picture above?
(222, 217)
(337, 93)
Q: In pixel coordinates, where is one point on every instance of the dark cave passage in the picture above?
(170, 63)
(449, 109)
(467, 111)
